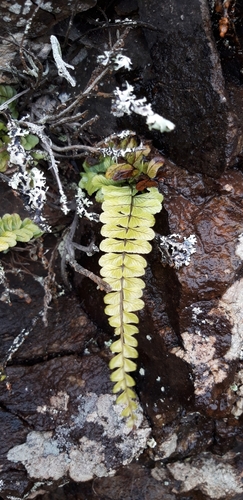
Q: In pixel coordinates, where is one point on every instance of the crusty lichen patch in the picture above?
(207, 474)
(55, 454)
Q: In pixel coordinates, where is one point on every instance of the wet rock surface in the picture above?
(16, 14)
(61, 432)
(185, 59)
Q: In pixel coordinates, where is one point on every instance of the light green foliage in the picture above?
(13, 229)
(127, 218)
(134, 168)
(4, 140)
(6, 92)
(27, 141)
(93, 176)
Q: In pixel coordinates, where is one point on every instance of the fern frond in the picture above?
(128, 219)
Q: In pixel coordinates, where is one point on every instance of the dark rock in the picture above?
(126, 7)
(214, 476)
(188, 86)
(59, 421)
(16, 15)
(70, 425)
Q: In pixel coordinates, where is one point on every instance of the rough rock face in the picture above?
(188, 86)
(15, 15)
(76, 424)
(62, 437)
(36, 18)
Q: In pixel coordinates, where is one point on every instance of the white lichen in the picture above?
(104, 58)
(122, 61)
(31, 183)
(119, 60)
(60, 64)
(82, 203)
(239, 248)
(54, 454)
(46, 143)
(126, 103)
(2, 275)
(18, 156)
(176, 251)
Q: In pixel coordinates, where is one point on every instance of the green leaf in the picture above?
(112, 260)
(142, 233)
(129, 365)
(126, 295)
(132, 268)
(128, 411)
(136, 246)
(118, 192)
(129, 221)
(116, 346)
(16, 221)
(114, 309)
(135, 283)
(4, 244)
(29, 141)
(117, 375)
(29, 225)
(114, 272)
(23, 235)
(125, 396)
(39, 155)
(125, 317)
(135, 305)
(150, 201)
(6, 92)
(117, 361)
(100, 167)
(129, 351)
(13, 229)
(3, 127)
(123, 399)
(130, 340)
(4, 159)
(86, 183)
(129, 380)
(121, 385)
(130, 329)
(7, 222)
(126, 330)
(7, 237)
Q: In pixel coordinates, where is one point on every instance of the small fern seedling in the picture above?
(127, 217)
